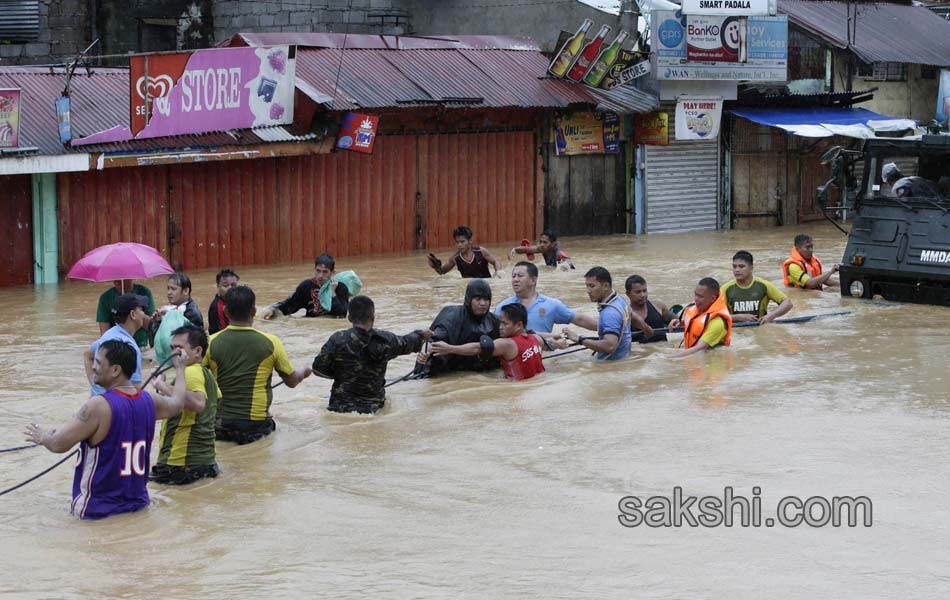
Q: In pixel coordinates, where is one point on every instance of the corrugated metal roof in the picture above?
(625, 99)
(100, 100)
(383, 42)
(219, 139)
(386, 78)
(884, 32)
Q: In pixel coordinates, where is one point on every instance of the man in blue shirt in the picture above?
(543, 312)
(613, 325)
(129, 314)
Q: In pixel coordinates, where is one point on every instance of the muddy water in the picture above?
(473, 487)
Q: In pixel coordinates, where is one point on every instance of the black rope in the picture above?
(15, 448)
(41, 473)
(158, 371)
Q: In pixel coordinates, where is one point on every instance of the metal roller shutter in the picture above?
(682, 185)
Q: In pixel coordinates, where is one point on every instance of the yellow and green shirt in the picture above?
(242, 360)
(715, 332)
(188, 439)
(754, 299)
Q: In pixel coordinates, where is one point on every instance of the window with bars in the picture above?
(19, 20)
(806, 57)
(882, 71)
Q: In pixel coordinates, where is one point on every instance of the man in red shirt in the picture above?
(518, 349)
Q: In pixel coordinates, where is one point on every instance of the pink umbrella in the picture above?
(120, 261)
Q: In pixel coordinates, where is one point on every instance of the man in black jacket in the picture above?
(356, 359)
(457, 325)
(307, 294)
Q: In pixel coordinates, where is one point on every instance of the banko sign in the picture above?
(207, 90)
(720, 47)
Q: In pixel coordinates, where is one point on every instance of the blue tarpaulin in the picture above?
(825, 121)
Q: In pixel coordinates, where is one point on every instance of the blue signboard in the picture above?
(63, 118)
(766, 47)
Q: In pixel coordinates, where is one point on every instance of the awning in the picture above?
(826, 121)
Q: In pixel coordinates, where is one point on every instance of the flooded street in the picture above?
(470, 486)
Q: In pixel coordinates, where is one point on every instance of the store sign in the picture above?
(638, 70)
(613, 77)
(943, 98)
(9, 118)
(698, 118)
(652, 129)
(715, 39)
(586, 133)
(358, 133)
(762, 57)
(739, 8)
(207, 90)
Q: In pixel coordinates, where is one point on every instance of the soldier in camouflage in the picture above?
(356, 359)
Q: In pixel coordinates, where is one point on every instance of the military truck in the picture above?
(899, 245)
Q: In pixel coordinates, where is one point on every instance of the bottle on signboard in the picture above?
(588, 54)
(569, 51)
(608, 56)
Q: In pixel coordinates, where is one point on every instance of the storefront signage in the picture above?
(207, 90)
(761, 55)
(698, 118)
(586, 133)
(742, 8)
(943, 99)
(652, 129)
(9, 118)
(715, 39)
(358, 133)
(638, 70)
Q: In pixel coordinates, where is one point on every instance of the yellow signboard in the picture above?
(652, 129)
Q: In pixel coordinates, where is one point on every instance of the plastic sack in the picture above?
(171, 321)
(348, 278)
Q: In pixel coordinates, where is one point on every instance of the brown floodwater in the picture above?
(469, 486)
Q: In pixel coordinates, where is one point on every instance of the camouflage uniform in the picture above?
(355, 359)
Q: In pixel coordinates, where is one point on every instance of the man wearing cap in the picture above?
(904, 187)
(128, 312)
(107, 302)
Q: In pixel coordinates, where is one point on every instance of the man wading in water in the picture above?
(115, 431)
(472, 261)
(242, 360)
(356, 359)
(518, 348)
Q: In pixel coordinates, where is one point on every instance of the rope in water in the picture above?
(158, 371)
(40, 474)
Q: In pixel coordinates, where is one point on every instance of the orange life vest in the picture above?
(694, 322)
(812, 267)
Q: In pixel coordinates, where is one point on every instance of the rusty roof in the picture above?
(100, 100)
(884, 32)
(358, 79)
(383, 42)
(374, 71)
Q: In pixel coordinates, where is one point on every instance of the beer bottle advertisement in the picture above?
(587, 55)
(569, 51)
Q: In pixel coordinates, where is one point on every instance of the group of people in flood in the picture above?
(222, 387)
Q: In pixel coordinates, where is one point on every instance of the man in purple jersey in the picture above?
(114, 431)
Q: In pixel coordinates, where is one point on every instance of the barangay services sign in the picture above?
(698, 118)
(207, 90)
